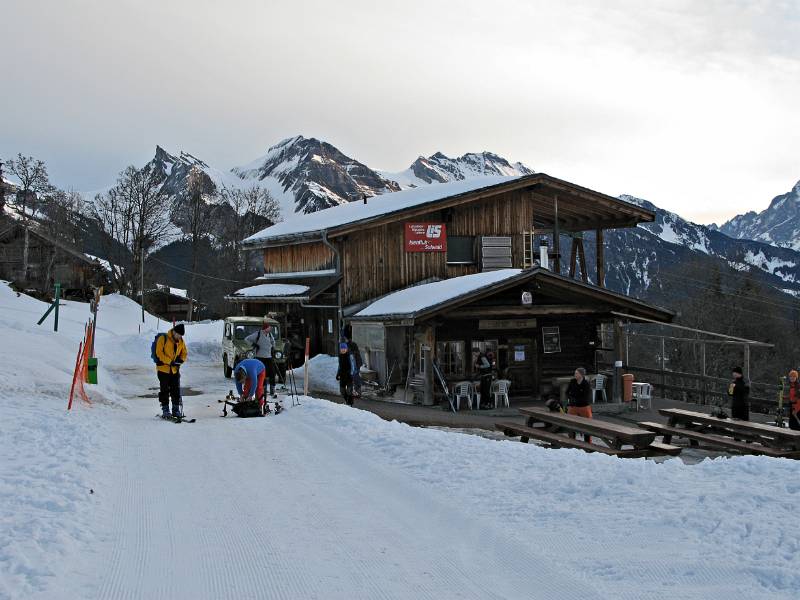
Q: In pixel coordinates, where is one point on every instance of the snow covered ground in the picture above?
(325, 501)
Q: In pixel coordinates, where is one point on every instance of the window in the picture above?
(460, 250)
(451, 357)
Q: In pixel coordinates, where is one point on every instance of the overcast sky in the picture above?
(692, 105)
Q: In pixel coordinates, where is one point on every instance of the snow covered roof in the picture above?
(422, 300)
(589, 209)
(354, 212)
(272, 290)
(297, 275)
(412, 300)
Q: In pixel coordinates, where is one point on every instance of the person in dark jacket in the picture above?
(344, 375)
(794, 400)
(579, 397)
(739, 391)
(483, 367)
(356, 362)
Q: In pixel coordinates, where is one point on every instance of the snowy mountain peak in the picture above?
(312, 175)
(778, 224)
(439, 168)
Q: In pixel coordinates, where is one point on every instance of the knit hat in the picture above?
(179, 329)
(738, 370)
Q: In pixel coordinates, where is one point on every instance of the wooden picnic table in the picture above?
(558, 430)
(731, 434)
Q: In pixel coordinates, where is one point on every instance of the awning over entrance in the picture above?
(486, 295)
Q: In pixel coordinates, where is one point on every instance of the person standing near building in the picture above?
(794, 400)
(483, 368)
(579, 397)
(264, 344)
(356, 362)
(344, 374)
(170, 353)
(739, 391)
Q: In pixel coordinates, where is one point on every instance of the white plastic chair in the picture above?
(599, 385)
(643, 395)
(500, 391)
(464, 389)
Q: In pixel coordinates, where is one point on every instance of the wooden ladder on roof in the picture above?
(528, 253)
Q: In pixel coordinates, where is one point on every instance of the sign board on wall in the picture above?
(425, 237)
(551, 340)
(506, 323)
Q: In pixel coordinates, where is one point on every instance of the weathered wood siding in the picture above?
(298, 257)
(374, 261)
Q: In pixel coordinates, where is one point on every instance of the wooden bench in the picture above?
(555, 440)
(614, 435)
(768, 436)
(716, 441)
(554, 429)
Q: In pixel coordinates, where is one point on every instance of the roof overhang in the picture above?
(608, 301)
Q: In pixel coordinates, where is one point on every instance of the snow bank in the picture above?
(321, 374)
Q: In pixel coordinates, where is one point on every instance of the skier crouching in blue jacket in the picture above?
(249, 375)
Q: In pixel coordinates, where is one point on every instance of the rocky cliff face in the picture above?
(309, 175)
(778, 224)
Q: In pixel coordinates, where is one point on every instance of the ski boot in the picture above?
(165, 411)
(176, 413)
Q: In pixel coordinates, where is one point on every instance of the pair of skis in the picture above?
(180, 419)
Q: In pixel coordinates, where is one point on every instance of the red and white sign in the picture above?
(426, 237)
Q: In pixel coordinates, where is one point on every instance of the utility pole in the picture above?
(141, 272)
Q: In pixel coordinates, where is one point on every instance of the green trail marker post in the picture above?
(53, 306)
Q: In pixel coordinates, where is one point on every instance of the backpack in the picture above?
(153, 355)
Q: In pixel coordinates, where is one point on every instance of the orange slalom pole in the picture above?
(75, 375)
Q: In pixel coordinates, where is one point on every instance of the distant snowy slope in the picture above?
(439, 168)
(778, 224)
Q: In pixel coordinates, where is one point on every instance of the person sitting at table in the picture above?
(794, 400)
(579, 397)
(739, 391)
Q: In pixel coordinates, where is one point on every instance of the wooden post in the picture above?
(705, 383)
(556, 238)
(601, 269)
(618, 360)
(305, 367)
(582, 259)
(747, 361)
(573, 258)
(663, 369)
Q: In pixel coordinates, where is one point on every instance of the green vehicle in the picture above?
(234, 346)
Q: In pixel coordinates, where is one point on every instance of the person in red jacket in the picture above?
(794, 400)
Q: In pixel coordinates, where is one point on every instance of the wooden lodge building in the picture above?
(431, 273)
(50, 260)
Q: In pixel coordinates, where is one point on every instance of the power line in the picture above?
(189, 271)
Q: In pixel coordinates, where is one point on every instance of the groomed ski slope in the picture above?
(326, 501)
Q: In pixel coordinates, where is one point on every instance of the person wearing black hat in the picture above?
(171, 354)
(739, 391)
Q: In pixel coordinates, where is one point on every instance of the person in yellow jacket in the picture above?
(171, 354)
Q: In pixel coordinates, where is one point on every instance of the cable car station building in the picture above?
(426, 275)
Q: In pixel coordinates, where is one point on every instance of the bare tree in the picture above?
(254, 208)
(200, 208)
(134, 215)
(34, 183)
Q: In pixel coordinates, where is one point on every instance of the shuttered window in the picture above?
(460, 250)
